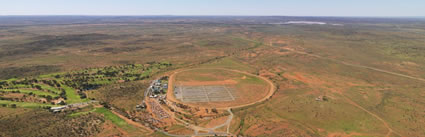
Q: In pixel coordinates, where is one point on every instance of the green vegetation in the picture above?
(47, 87)
(30, 92)
(24, 104)
(72, 86)
(118, 121)
(112, 60)
(72, 96)
(111, 116)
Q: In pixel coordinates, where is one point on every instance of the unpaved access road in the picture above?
(390, 130)
(357, 65)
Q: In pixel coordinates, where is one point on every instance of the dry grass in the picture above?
(247, 88)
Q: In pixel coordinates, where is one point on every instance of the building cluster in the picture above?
(70, 106)
(158, 87)
(58, 109)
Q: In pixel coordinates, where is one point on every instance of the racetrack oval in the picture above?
(218, 88)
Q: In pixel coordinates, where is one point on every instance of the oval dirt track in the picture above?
(171, 97)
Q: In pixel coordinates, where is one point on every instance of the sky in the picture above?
(375, 8)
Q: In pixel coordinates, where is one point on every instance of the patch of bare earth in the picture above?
(204, 83)
(110, 130)
(215, 122)
(181, 131)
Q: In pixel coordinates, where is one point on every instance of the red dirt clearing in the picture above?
(205, 83)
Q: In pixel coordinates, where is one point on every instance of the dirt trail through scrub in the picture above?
(390, 130)
(372, 114)
(359, 66)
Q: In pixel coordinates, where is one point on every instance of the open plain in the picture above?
(207, 76)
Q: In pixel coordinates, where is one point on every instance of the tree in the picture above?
(324, 98)
(48, 98)
(214, 110)
(106, 105)
(83, 96)
(62, 103)
(38, 87)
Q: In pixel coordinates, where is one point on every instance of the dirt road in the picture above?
(390, 130)
(357, 65)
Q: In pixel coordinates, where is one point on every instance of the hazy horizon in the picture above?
(328, 8)
(76, 15)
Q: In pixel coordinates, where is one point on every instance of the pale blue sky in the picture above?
(215, 7)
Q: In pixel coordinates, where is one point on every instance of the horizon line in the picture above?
(164, 15)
